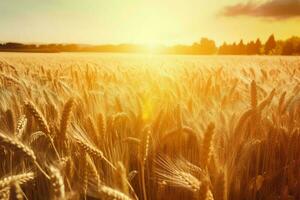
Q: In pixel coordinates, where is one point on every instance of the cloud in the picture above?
(277, 9)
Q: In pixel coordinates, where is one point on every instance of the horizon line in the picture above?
(141, 44)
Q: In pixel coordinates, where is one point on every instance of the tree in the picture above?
(298, 49)
(224, 49)
(234, 49)
(206, 46)
(13, 45)
(258, 46)
(250, 48)
(241, 49)
(270, 44)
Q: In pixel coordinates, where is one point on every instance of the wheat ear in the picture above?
(112, 194)
(21, 126)
(65, 118)
(5, 193)
(19, 178)
(206, 145)
(253, 95)
(93, 151)
(18, 147)
(37, 115)
(57, 183)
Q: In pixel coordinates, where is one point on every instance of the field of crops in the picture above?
(109, 126)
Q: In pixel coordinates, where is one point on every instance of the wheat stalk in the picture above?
(122, 177)
(203, 192)
(220, 189)
(16, 191)
(10, 120)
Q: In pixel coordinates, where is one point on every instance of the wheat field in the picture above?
(109, 126)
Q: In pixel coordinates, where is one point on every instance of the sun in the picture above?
(152, 48)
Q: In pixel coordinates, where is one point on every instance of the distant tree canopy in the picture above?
(205, 46)
(291, 46)
(251, 48)
(271, 47)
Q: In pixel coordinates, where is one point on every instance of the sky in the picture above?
(150, 22)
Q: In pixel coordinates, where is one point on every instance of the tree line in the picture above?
(290, 46)
(205, 46)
